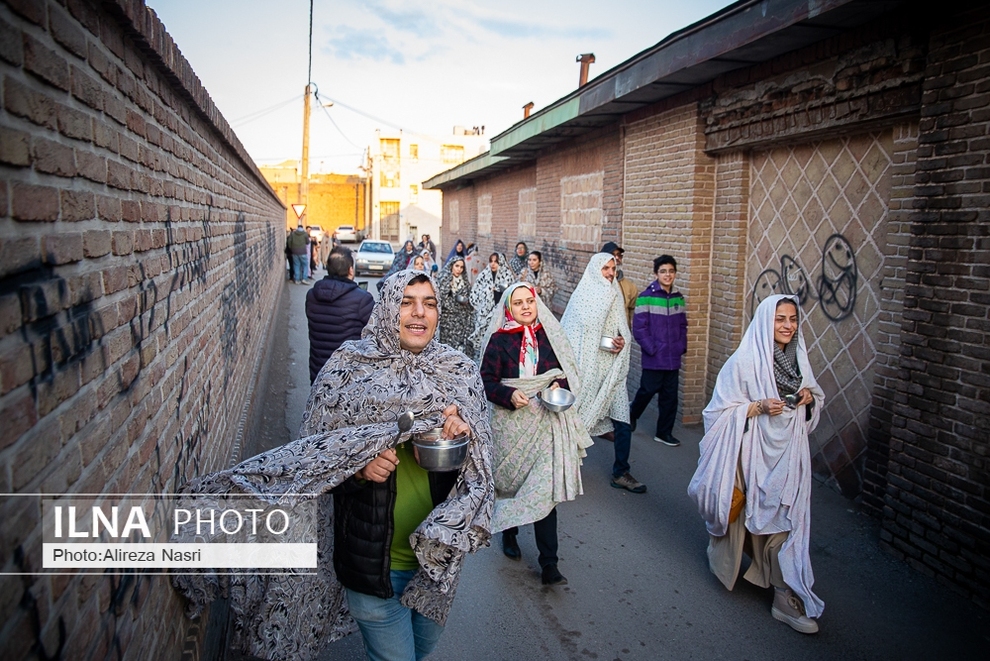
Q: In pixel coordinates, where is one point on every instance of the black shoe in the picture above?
(667, 440)
(510, 547)
(552, 576)
(632, 425)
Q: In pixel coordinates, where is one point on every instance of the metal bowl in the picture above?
(461, 298)
(607, 344)
(557, 399)
(437, 454)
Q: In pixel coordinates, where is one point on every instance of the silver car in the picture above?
(373, 258)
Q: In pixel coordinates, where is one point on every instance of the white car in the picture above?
(347, 234)
(316, 232)
(373, 258)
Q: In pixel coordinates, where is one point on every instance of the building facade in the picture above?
(399, 163)
(333, 199)
(836, 153)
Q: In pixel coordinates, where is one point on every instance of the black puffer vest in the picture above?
(362, 530)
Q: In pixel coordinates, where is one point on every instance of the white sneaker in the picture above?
(787, 608)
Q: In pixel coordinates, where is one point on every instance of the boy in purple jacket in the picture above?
(660, 328)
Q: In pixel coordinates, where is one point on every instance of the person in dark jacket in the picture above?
(336, 308)
(660, 327)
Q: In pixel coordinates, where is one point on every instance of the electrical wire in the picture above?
(258, 114)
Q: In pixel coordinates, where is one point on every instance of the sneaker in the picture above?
(510, 547)
(552, 576)
(307, 282)
(787, 608)
(629, 483)
(667, 440)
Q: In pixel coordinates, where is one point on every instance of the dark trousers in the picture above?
(546, 537)
(663, 384)
(623, 441)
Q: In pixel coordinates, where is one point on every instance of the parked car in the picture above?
(373, 258)
(347, 234)
(316, 232)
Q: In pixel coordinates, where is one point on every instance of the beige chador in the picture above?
(767, 454)
(725, 552)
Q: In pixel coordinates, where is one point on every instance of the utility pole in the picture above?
(304, 184)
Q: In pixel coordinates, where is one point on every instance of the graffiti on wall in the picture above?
(834, 288)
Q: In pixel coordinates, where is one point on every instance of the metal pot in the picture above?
(437, 454)
(557, 400)
(607, 344)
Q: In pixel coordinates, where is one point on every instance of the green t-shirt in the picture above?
(412, 504)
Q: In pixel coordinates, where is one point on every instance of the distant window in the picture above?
(452, 153)
(414, 193)
(390, 179)
(390, 148)
(414, 152)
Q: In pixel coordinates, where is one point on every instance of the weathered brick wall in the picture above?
(726, 321)
(865, 77)
(888, 334)
(937, 505)
(668, 206)
(504, 192)
(140, 257)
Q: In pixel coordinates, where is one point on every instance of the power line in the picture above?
(258, 114)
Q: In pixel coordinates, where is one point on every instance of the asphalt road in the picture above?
(639, 585)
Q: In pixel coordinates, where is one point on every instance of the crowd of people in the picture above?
(477, 354)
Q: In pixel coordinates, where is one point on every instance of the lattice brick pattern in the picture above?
(818, 227)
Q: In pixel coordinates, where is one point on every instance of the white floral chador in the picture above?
(538, 453)
(350, 418)
(597, 309)
(772, 452)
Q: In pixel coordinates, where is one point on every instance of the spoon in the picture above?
(404, 423)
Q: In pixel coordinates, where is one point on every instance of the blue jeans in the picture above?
(391, 631)
(623, 439)
(300, 267)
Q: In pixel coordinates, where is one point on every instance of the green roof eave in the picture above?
(462, 171)
(534, 126)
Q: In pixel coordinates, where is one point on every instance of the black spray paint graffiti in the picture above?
(835, 288)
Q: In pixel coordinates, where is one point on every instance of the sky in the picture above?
(422, 67)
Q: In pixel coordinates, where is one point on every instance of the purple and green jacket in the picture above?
(660, 327)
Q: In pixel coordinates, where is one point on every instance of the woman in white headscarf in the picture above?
(538, 452)
(485, 294)
(753, 482)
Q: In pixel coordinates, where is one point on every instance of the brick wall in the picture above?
(668, 206)
(140, 256)
(726, 321)
(937, 505)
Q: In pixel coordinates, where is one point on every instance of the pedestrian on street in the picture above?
(538, 452)
(399, 263)
(458, 252)
(427, 244)
(596, 312)
(538, 274)
(753, 482)
(518, 261)
(297, 244)
(629, 289)
(457, 320)
(337, 309)
(660, 328)
(485, 294)
(397, 534)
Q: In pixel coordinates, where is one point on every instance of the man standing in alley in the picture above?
(297, 244)
(596, 327)
(336, 308)
(660, 327)
(629, 289)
